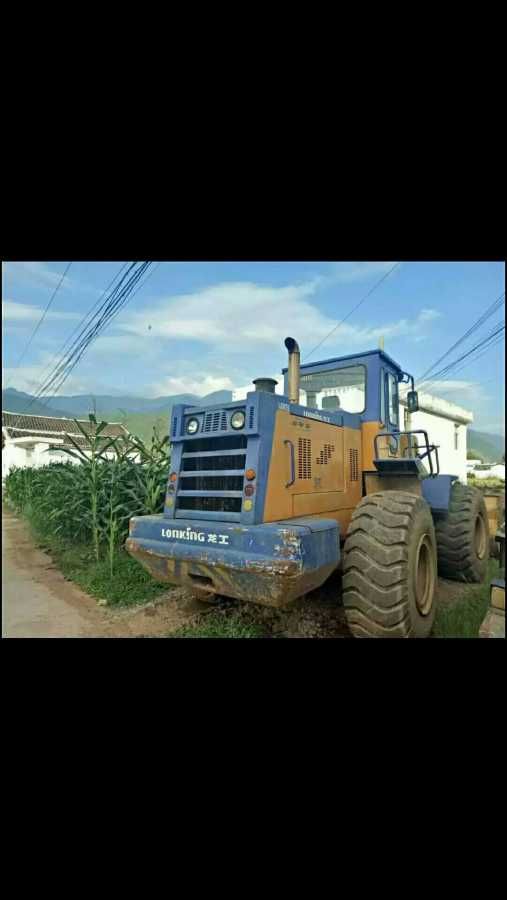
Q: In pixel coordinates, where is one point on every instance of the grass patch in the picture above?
(130, 584)
(463, 617)
(216, 625)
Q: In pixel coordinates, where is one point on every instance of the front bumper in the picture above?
(270, 564)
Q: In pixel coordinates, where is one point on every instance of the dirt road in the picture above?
(37, 601)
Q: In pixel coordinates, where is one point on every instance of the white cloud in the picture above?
(29, 378)
(40, 275)
(244, 317)
(110, 345)
(37, 273)
(428, 315)
(358, 271)
(27, 312)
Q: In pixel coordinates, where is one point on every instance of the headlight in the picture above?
(192, 426)
(238, 420)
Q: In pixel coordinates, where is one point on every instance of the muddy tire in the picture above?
(463, 536)
(390, 567)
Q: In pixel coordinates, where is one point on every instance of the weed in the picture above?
(215, 625)
(463, 617)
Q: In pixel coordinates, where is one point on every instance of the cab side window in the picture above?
(394, 409)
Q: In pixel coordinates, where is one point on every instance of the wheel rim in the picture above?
(480, 537)
(424, 576)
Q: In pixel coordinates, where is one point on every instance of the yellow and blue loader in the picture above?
(268, 496)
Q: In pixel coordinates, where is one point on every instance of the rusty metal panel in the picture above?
(268, 564)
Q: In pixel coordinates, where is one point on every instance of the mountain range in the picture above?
(105, 404)
(140, 414)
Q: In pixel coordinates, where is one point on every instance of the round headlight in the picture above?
(192, 426)
(238, 420)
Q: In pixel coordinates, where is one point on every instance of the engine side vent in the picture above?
(304, 458)
(354, 465)
(175, 425)
(325, 455)
(251, 415)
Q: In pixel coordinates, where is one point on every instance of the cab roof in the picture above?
(357, 356)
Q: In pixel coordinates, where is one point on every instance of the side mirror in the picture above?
(412, 402)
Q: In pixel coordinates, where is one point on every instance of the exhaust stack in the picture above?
(293, 348)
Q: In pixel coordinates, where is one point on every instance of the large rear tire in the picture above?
(463, 536)
(390, 567)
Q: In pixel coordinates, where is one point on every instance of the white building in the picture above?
(446, 424)
(37, 440)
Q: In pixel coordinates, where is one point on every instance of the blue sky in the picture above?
(199, 327)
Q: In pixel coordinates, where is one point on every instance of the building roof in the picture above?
(19, 425)
(439, 407)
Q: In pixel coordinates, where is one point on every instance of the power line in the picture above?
(39, 323)
(488, 340)
(114, 304)
(431, 385)
(79, 325)
(83, 336)
(473, 358)
(42, 384)
(374, 288)
(476, 325)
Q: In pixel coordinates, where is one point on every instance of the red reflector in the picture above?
(249, 489)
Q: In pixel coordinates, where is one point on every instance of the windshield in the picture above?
(336, 389)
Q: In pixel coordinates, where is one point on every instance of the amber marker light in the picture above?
(250, 474)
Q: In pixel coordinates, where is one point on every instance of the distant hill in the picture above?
(138, 414)
(18, 401)
(490, 447)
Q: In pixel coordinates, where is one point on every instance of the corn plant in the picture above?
(93, 502)
(95, 448)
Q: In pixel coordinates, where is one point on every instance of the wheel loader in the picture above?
(268, 496)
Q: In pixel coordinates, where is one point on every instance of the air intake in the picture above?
(267, 385)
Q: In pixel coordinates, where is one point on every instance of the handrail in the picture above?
(427, 447)
(292, 464)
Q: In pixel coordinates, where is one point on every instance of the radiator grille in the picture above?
(325, 455)
(304, 458)
(212, 473)
(354, 465)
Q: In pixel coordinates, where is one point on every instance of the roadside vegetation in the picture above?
(80, 513)
(486, 484)
(216, 625)
(463, 615)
